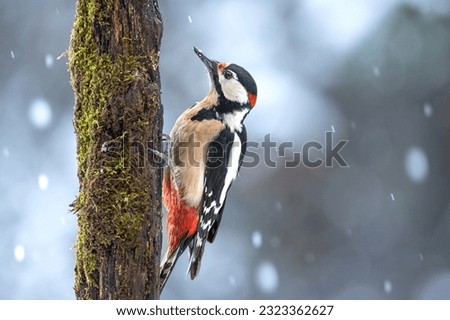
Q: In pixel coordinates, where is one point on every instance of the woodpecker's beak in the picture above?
(211, 65)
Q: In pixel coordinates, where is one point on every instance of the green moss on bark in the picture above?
(102, 84)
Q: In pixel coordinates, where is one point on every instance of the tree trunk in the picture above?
(114, 66)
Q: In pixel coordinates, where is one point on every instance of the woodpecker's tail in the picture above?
(166, 267)
(196, 252)
(169, 260)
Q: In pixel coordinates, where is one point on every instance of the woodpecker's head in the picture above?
(230, 81)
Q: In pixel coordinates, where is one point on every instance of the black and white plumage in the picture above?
(208, 146)
(224, 159)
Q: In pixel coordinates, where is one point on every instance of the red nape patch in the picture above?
(252, 99)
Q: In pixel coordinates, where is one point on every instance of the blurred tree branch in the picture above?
(114, 66)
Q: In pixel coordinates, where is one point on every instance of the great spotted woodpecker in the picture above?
(208, 146)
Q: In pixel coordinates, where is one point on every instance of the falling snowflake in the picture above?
(49, 60)
(376, 71)
(232, 280)
(387, 286)
(43, 182)
(427, 110)
(416, 164)
(19, 253)
(257, 239)
(267, 277)
(279, 206)
(40, 113)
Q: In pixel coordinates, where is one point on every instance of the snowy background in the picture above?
(375, 72)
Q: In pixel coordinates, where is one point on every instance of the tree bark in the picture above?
(114, 66)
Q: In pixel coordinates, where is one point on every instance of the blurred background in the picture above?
(376, 73)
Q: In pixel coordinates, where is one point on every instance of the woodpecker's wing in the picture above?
(243, 142)
(223, 160)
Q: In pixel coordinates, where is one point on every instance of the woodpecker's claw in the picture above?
(163, 156)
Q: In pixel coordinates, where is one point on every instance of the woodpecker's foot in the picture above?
(160, 155)
(164, 155)
(165, 160)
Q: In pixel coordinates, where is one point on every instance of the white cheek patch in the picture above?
(233, 90)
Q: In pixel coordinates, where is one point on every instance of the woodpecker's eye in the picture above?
(228, 74)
